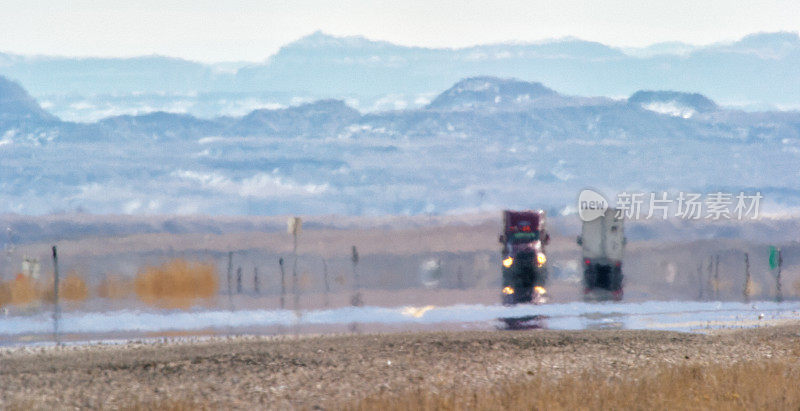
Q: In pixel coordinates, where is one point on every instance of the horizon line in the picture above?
(549, 40)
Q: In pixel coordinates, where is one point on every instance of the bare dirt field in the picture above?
(756, 368)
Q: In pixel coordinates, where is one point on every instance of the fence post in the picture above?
(294, 227)
(256, 287)
(9, 249)
(746, 290)
(239, 280)
(56, 307)
(700, 281)
(356, 301)
(778, 291)
(283, 283)
(716, 278)
(230, 273)
(327, 284)
(710, 277)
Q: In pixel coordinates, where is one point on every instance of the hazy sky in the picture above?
(225, 30)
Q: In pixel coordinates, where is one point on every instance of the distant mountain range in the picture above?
(482, 143)
(16, 106)
(758, 72)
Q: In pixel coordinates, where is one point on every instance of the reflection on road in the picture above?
(686, 316)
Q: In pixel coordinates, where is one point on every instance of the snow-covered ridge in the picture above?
(478, 145)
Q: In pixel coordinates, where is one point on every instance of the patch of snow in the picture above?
(132, 206)
(260, 185)
(474, 85)
(670, 108)
(523, 98)
(422, 101)
(210, 140)
(390, 102)
(8, 137)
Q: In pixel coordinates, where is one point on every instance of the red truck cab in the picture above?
(524, 262)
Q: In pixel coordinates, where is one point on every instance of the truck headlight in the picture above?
(540, 259)
(507, 262)
(508, 290)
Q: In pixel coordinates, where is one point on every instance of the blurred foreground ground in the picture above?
(750, 369)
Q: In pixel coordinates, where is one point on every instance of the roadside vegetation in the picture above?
(747, 386)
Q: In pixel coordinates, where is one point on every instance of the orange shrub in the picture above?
(5, 294)
(21, 291)
(73, 288)
(70, 288)
(114, 287)
(176, 284)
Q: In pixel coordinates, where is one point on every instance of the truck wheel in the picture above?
(509, 299)
(589, 277)
(539, 278)
(525, 295)
(616, 276)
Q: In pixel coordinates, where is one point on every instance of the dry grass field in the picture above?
(748, 369)
(749, 385)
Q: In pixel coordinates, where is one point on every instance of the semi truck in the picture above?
(523, 258)
(602, 242)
